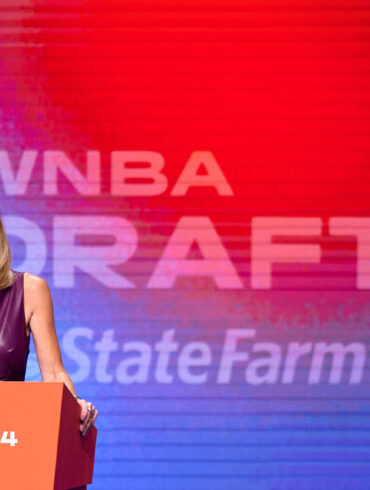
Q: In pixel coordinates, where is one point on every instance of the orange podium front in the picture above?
(41, 446)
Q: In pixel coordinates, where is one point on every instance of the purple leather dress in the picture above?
(14, 342)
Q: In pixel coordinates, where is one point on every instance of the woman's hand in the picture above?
(88, 415)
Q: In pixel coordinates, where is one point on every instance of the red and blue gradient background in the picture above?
(279, 93)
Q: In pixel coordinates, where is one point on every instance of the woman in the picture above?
(26, 306)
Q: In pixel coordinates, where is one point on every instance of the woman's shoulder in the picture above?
(36, 292)
(35, 284)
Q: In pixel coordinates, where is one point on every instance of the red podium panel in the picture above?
(41, 446)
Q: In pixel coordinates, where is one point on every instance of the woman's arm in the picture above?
(40, 317)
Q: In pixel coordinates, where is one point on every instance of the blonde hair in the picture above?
(6, 275)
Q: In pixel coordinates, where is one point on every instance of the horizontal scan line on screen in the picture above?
(70, 255)
(241, 358)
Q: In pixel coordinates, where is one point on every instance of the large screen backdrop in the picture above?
(192, 180)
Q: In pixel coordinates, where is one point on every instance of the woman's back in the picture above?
(14, 341)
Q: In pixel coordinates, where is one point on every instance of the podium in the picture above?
(41, 446)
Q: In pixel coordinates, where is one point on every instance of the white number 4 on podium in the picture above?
(11, 440)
